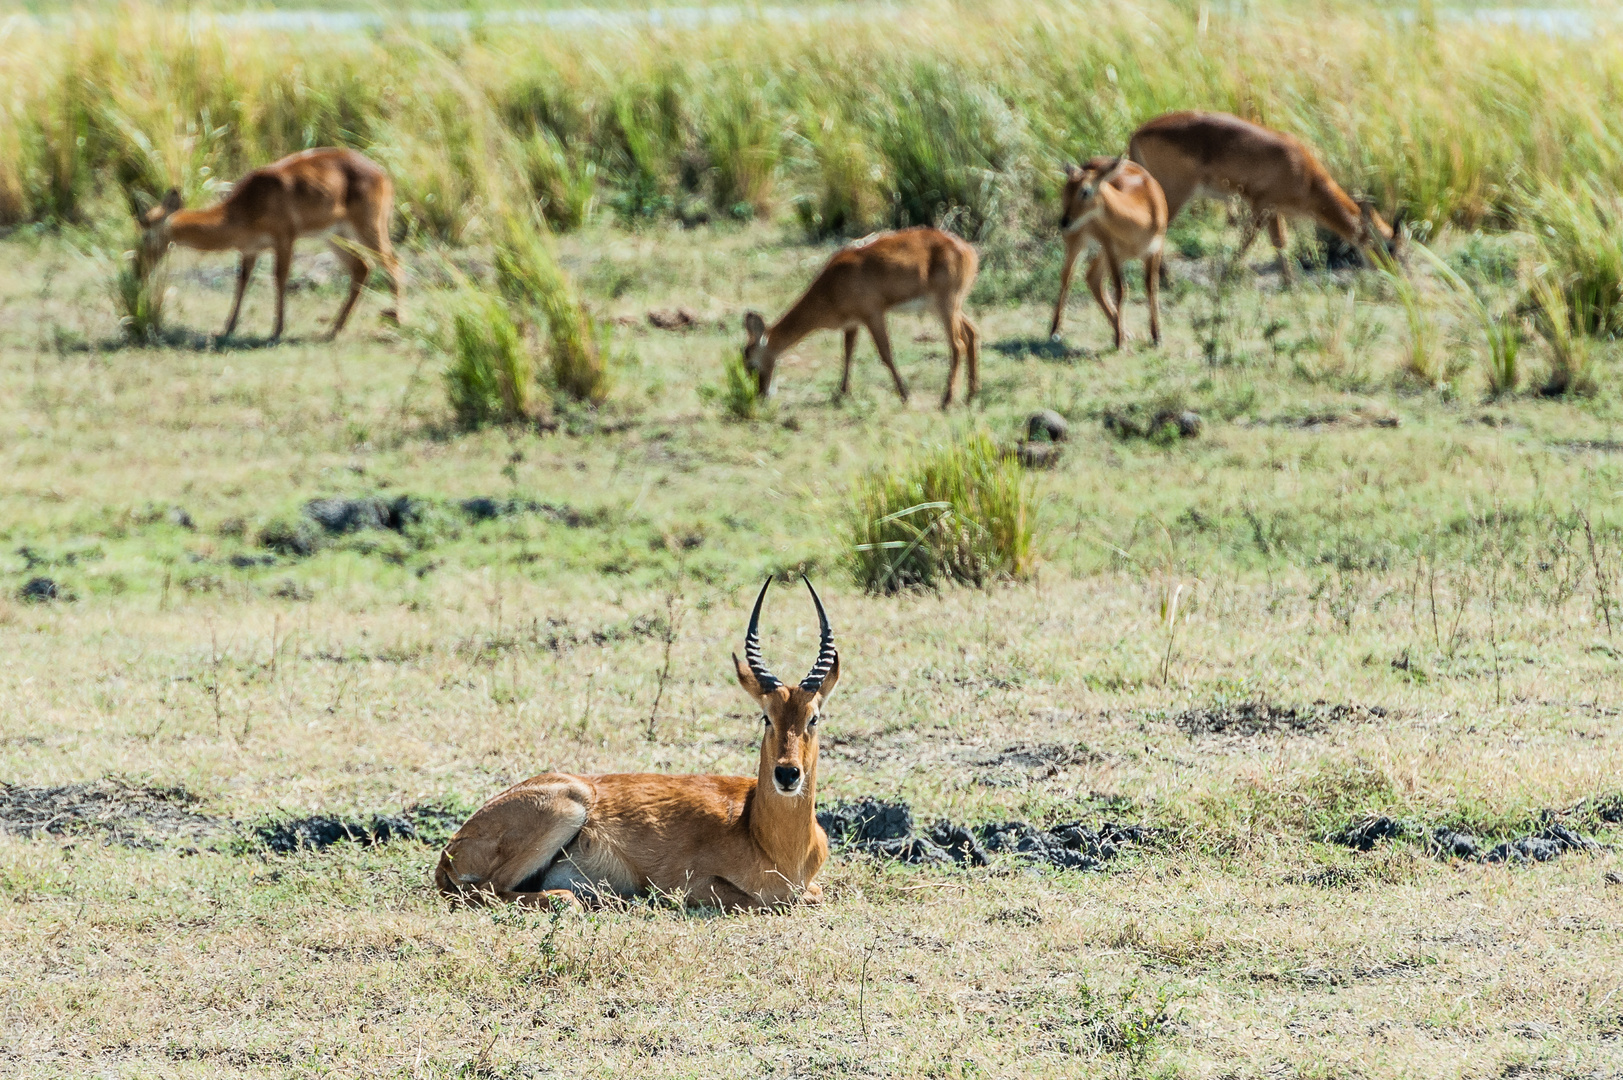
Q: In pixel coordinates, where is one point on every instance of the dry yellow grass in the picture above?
(378, 674)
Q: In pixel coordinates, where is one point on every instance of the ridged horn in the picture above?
(752, 645)
(826, 653)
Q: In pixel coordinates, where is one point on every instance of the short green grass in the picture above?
(1439, 568)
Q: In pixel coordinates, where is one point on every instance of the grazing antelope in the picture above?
(1116, 206)
(1218, 155)
(732, 841)
(339, 192)
(863, 281)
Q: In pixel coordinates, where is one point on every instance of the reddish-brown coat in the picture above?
(863, 281)
(1114, 205)
(314, 191)
(1216, 154)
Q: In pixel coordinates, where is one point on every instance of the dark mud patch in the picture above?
(111, 809)
(886, 830)
(1551, 840)
(1027, 763)
(428, 823)
(1268, 718)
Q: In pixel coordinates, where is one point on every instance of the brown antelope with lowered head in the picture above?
(1113, 205)
(331, 191)
(732, 841)
(1217, 155)
(863, 281)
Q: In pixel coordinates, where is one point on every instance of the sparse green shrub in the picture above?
(956, 513)
(1580, 233)
(846, 197)
(139, 292)
(742, 142)
(1501, 333)
(564, 183)
(739, 394)
(948, 142)
(530, 277)
(1421, 358)
(490, 373)
(1559, 323)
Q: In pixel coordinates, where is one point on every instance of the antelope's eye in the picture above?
(767, 720)
(812, 723)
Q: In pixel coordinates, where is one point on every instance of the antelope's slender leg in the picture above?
(1152, 288)
(1278, 234)
(949, 320)
(1119, 289)
(1096, 279)
(881, 341)
(245, 270)
(1073, 248)
(358, 270)
(972, 345)
(284, 266)
(850, 350)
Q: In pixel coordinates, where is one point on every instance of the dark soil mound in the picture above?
(886, 830)
(1267, 718)
(120, 812)
(341, 516)
(428, 823)
(1552, 840)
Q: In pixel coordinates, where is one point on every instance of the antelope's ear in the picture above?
(754, 326)
(1072, 173)
(747, 679)
(171, 201)
(1112, 171)
(829, 680)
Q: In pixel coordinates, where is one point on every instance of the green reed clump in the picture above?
(739, 394)
(1580, 233)
(530, 277)
(490, 373)
(1560, 321)
(1501, 332)
(957, 513)
(857, 120)
(139, 291)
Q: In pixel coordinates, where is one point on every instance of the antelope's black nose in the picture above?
(786, 775)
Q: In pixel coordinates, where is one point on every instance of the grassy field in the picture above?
(1370, 600)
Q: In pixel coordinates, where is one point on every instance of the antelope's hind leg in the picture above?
(512, 839)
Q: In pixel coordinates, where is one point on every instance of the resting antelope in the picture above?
(1218, 155)
(732, 841)
(863, 281)
(1116, 206)
(340, 192)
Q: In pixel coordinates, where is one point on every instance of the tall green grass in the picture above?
(957, 513)
(489, 375)
(531, 279)
(956, 114)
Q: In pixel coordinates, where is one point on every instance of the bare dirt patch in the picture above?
(1268, 718)
(114, 809)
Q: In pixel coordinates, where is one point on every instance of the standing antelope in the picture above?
(1218, 155)
(733, 841)
(863, 281)
(1116, 206)
(339, 192)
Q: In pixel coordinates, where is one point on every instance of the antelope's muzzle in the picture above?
(788, 779)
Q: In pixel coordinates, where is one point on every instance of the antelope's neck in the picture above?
(784, 827)
(797, 322)
(205, 229)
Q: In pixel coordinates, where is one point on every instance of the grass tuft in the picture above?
(490, 373)
(139, 293)
(739, 395)
(530, 277)
(958, 513)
